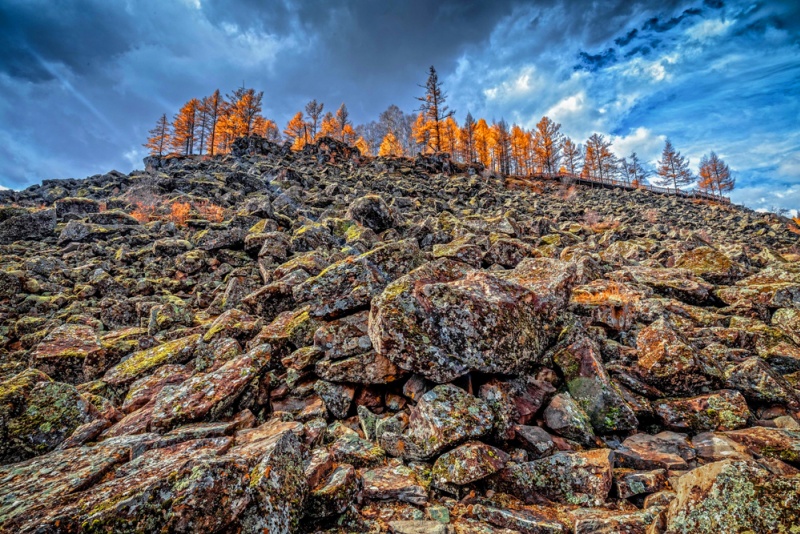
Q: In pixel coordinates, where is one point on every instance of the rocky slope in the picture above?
(372, 345)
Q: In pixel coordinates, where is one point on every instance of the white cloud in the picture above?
(644, 142)
(708, 29)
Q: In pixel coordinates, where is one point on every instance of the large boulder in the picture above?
(371, 211)
(37, 414)
(33, 225)
(444, 320)
(733, 496)
(444, 416)
(349, 285)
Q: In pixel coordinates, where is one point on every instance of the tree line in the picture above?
(210, 125)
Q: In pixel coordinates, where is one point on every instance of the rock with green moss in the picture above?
(467, 463)
(758, 382)
(578, 478)
(275, 297)
(723, 410)
(233, 323)
(590, 385)
(37, 414)
(681, 284)
(667, 360)
(63, 352)
(145, 389)
(350, 284)
(208, 394)
(372, 212)
(780, 443)
(710, 264)
(33, 225)
(734, 496)
(333, 494)
(444, 320)
(565, 417)
(394, 483)
(142, 363)
(443, 417)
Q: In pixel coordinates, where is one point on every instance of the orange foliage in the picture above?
(612, 292)
(210, 212)
(144, 213)
(179, 213)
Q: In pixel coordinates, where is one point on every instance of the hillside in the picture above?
(315, 341)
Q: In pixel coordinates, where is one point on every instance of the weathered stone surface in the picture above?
(371, 211)
(356, 451)
(581, 478)
(395, 483)
(667, 450)
(443, 320)
(367, 368)
(723, 410)
(566, 418)
(350, 284)
(34, 225)
(668, 361)
(334, 494)
(444, 416)
(344, 337)
(770, 442)
(144, 362)
(61, 355)
(207, 393)
(467, 463)
(589, 384)
(37, 414)
(734, 496)
(629, 482)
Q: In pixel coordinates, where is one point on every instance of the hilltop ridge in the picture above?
(320, 341)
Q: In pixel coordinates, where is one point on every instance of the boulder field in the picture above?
(318, 341)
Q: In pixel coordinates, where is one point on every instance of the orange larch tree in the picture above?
(547, 141)
(183, 127)
(213, 106)
(434, 109)
(159, 138)
(329, 126)
(483, 143)
(297, 131)
(572, 155)
(715, 175)
(390, 146)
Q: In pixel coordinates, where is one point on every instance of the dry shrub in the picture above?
(209, 211)
(144, 213)
(179, 213)
(102, 207)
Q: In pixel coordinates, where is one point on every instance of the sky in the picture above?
(84, 80)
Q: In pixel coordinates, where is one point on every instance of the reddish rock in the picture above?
(723, 410)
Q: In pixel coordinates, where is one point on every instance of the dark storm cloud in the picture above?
(84, 80)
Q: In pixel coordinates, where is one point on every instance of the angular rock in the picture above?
(367, 368)
(566, 418)
(37, 414)
(589, 384)
(143, 362)
(334, 494)
(733, 496)
(467, 463)
(394, 483)
(371, 211)
(579, 478)
(444, 320)
(668, 362)
(666, 450)
(443, 417)
(63, 352)
(723, 410)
